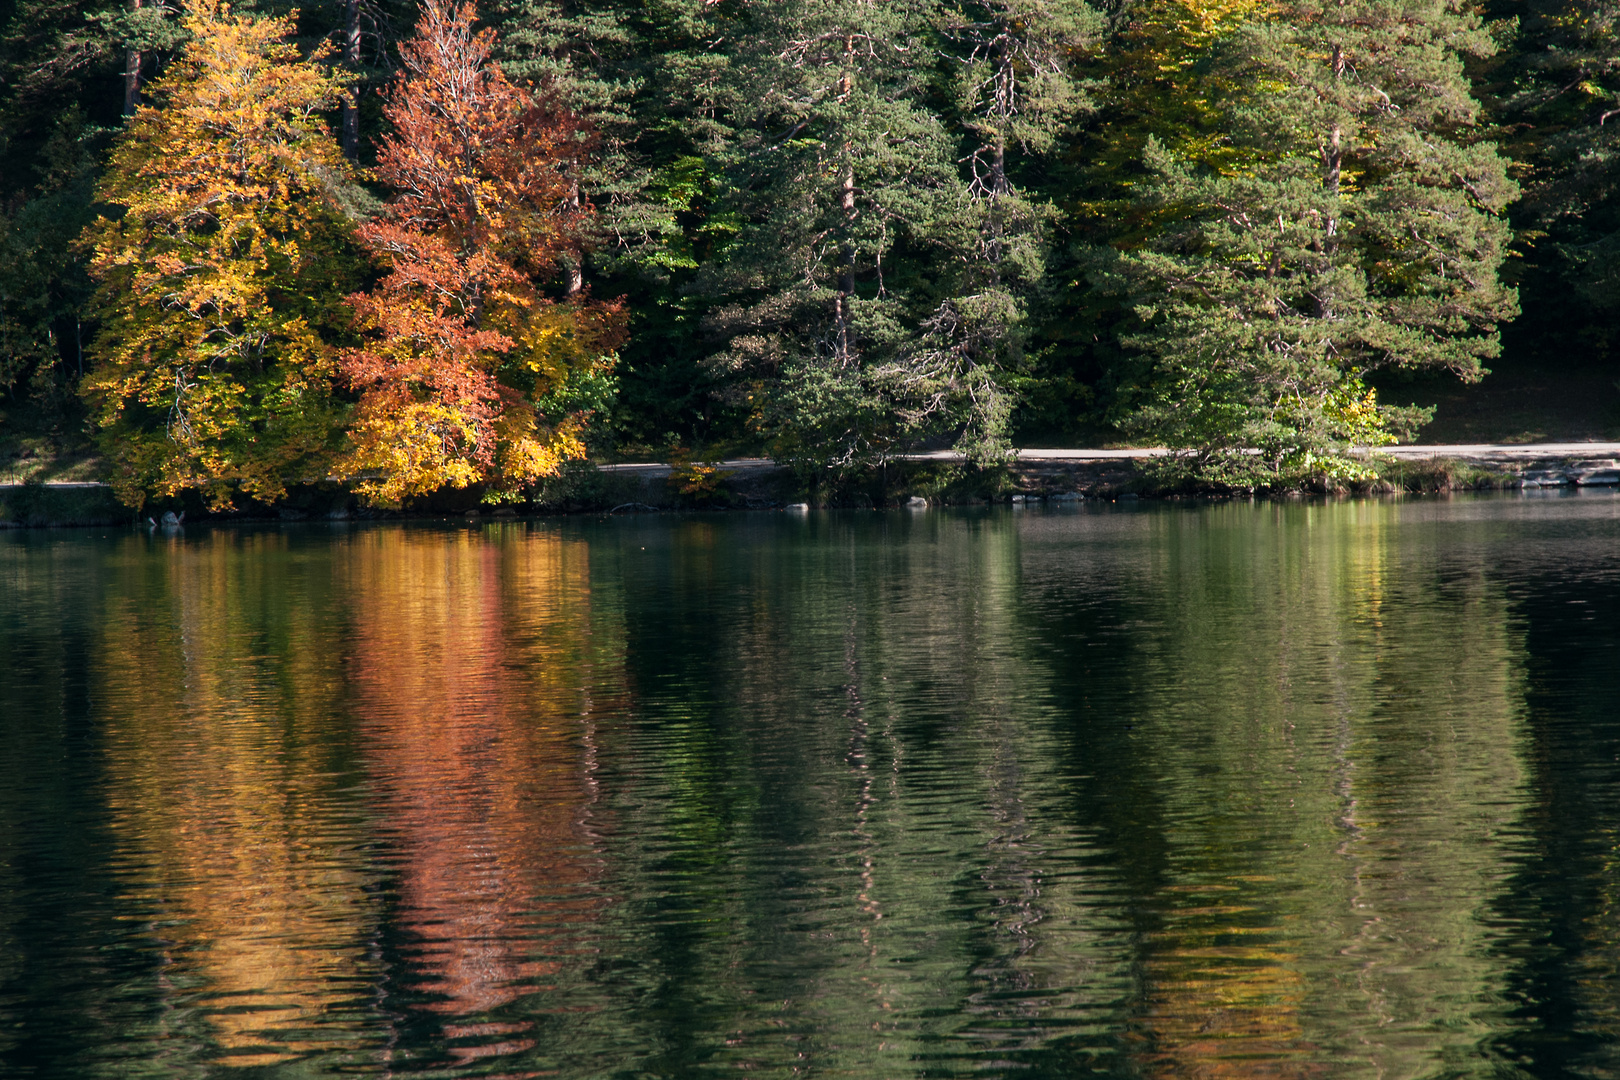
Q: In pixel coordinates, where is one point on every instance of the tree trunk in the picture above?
(1333, 150)
(1004, 106)
(1332, 166)
(1005, 96)
(351, 99)
(998, 190)
(132, 73)
(846, 269)
(575, 265)
(846, 202)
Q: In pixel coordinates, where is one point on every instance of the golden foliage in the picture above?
(223, 270)
(1159, 89)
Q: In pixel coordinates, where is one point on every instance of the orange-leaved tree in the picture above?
(222, 269)
(466, 367)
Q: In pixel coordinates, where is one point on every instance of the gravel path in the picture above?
(1503, 452)
(1506, 453)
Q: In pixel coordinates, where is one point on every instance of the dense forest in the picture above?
(416, 247)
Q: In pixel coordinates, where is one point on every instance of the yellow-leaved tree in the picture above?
(221, 265)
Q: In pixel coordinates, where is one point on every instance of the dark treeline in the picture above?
(831, 229)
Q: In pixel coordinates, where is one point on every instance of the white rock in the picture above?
(799, 508)
(917, 502)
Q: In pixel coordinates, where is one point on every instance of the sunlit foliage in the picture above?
(220, 265)
(1354, 224)
(463, 353)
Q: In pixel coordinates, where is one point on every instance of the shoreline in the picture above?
(936, 479)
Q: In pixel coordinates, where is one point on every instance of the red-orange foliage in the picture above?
(460, 343)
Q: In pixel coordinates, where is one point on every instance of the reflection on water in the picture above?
(478, 735)
(212, 700)
(1280, 790)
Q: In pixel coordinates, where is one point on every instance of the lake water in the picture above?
(1160, 790)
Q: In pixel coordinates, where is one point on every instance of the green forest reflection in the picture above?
(1216, 791)
(1326, 732)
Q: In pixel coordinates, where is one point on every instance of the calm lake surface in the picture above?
(1298, 790)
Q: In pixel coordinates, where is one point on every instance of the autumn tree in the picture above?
(466, 366)
(220, 270)
(1355, 226)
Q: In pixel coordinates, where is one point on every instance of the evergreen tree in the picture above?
(684, 109)
(838, 166)
(220, 273)
(1567, 104)
(1015, 93)
(1151, 78)
(1361, 231)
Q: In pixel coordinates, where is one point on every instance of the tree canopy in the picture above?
(219, 264)
(1354, 223)
(831, 230)
(461, 350)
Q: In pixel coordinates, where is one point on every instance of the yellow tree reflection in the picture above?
(219, 682)
(1333, 843)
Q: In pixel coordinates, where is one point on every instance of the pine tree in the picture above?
(466, 371)
(839, 164)
(1150, 60)
(220, 275)
(1360, 229)
(1016, 93)
(1154, 79)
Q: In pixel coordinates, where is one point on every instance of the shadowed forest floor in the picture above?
(1518, 402)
